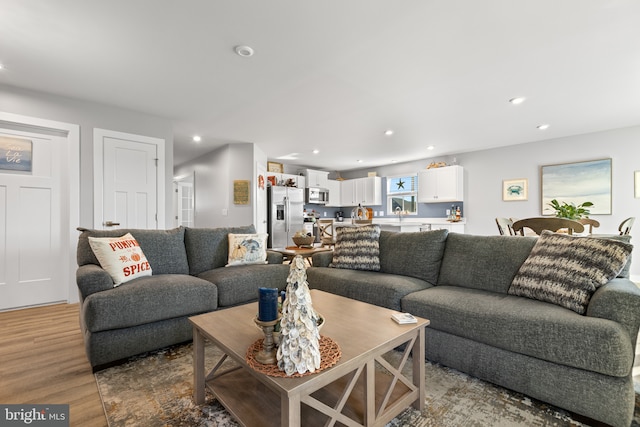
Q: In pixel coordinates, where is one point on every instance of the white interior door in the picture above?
(128, 180)
(31, 224)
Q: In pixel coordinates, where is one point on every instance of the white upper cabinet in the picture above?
(443, 184)
(315, 178)
(371, 192)
(363, 191)
(335, 193)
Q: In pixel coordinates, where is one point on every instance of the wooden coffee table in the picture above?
(353, 392)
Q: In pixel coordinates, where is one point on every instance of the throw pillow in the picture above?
(121, 257)
(566, 270)
(357, 248)
(247, 249)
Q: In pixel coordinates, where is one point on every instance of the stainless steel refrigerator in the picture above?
(284, 217)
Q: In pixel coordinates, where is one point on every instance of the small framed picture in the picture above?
(275, 167)
(515, 189)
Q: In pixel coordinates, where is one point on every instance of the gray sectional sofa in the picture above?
(580, 362)
(460, 283)
(189, 278)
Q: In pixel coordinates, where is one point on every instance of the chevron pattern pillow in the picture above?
(357, 248)
(566, 270)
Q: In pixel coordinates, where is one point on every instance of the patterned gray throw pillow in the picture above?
(357, 248)
(566, 270)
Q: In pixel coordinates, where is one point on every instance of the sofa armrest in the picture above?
(322, 259)
(91, 278)
(274, 257)
(618, 300)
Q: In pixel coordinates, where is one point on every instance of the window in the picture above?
(402, 194)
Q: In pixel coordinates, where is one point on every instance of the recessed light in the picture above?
(360, 161)
(394, 161)
(543, 126)
(1, 67)
(316, 151)
(431, 147)
(517, 100)
(244, 51)
(388, 132)
(197, 138)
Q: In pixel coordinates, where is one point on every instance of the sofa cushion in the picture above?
(534, 328)
(566, 270)
(121, 257)
(357, 248)
(208, 248)
(247, 249)
(164, 249)
(148, 299)
(240, 284)
(483, 262)
(416, 254)
(382, 289)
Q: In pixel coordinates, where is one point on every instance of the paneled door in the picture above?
(128, 180)
(31, 220)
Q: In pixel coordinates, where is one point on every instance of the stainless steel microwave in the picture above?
(318, 196)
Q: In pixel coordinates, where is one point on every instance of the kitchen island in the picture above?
(412, 224)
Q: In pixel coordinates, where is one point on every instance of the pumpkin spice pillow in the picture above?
(121, 257)
(247, 249)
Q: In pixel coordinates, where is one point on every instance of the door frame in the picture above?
(98, 172)
(69, 186)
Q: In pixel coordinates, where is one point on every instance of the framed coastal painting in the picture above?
(515, 189)
(576, 183)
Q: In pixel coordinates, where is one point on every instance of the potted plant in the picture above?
(570, 210)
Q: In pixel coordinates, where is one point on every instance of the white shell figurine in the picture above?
(299, 349)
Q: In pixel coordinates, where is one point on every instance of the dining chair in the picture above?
(625, 226)
(505, 226)
(547, 223)
(592, 223)
(327, 233)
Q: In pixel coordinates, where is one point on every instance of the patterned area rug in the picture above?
(155, 389)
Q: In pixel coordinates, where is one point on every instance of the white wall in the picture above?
(91, 115)
(214, 176)
(485, 170)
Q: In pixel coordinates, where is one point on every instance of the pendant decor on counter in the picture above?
(299, 349)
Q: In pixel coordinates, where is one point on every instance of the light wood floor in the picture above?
(42, 361)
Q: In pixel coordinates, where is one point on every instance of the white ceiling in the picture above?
(333, 75)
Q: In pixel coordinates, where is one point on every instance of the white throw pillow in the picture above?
(121, 257)
(247, 249)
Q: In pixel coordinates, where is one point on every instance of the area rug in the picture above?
(155, 389)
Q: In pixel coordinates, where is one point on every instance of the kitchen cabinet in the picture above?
(335, 193)
(347, 193)
(316, 178)
(453, 227)
(364, 191)
(282, 178)
(439, 185)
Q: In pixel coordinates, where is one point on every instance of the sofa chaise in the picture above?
(461, 283)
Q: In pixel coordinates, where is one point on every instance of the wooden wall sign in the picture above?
(241, 192)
